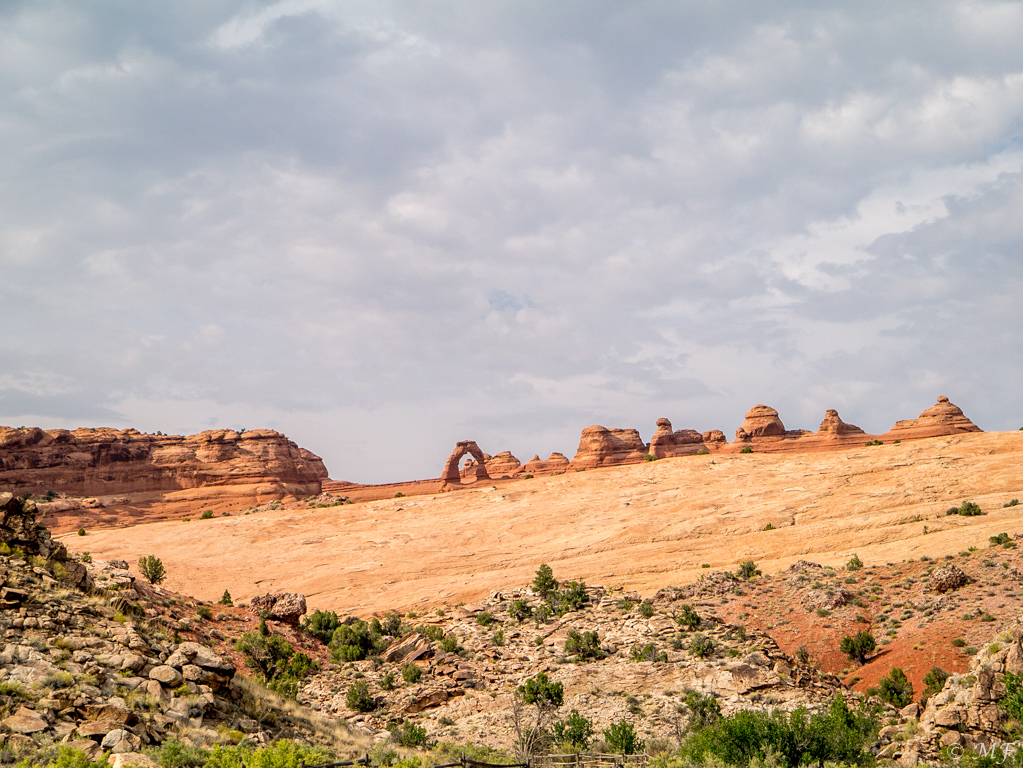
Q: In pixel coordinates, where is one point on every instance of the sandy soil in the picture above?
(642, 526)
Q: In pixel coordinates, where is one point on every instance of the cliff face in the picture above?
(603, 447)
(97, 462)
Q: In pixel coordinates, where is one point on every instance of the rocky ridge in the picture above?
(258, 464)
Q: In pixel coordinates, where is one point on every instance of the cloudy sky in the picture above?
(381, 227)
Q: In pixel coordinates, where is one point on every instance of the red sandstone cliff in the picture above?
(99, 462)
(603, 447)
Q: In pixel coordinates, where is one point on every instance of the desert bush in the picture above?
(803, 655)
(967, 509)
(571, 598)
(432, 631)
(207, 514)
(321, 625)
(839, 735)
(621, 738)
(519, 610)
(353, 641)
(1002, 538)
(485, 619)
(204, 612)
(151, 567)
(895, 688)
(449, 644)
(574, 732)
(643, 652)
(533, 708)
(748, 570)
(934, 681)
(701, 646)
(409, 735)
(1012, 503)
(81, 531)
(386, 682)
(649, 457)
(358, 697)
(747, 449)
(275, 661)
(410, 673)
(585, 645)
(392, 626)
(688, 617)
(854, 563)
(646, 609)
(1012, 702)
(225, 599)
(498, 638)
(859, 646)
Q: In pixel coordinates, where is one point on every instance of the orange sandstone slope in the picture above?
(642, 526)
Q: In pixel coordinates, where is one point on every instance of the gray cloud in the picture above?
(381, 230)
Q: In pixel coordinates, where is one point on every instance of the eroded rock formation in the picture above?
(603, 447)
(556, 462)
(451, 475)
(99, 462)
(943, 418)
(503, 464)
(681, 442)
(761, 421)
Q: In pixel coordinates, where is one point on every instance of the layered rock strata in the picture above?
(682, 442)
(603, 447)
(943, 418)
(100, 462)
(553, 464)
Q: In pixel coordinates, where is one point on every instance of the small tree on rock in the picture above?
(533, 708)
(544, 583)
(895, 688)
(152, 568)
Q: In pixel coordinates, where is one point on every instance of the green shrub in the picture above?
(225, 599)
(895, 688)
(519, 610)
(204, 612)
(854, 563)
(498, 638)
(354, 641)
(85, 557)
(151, 567)
(747, 449)
(386, 682)
(392, 626)
(688, 617)
(572, 598)
(959, 642)
(838, 735)
(621, 738)
(859, 646)
(748, 570)
(321, 625)
(1012, 503)
(1012, 702)
(410, 673)
(275, 661)
(968, 509)
(485, 619)
(432, 631)
(703, 710)
(358, 698)
(768, 527)
(207, 514)
(409, 735)
(81, 531)
(574, 732)
(585, 645)
(649, 457)
(646, 609)
(701, 646)
(643, 652)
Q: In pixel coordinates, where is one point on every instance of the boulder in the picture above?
(121, 740)
(288, 607)
(26, 721)
(166, 675)
(947, 577)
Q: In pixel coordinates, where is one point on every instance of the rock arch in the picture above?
(451, 475)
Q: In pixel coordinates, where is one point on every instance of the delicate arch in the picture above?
(451, 475)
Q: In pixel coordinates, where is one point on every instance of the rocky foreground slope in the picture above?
(99, 660)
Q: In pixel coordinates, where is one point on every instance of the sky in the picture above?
(383, 227)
